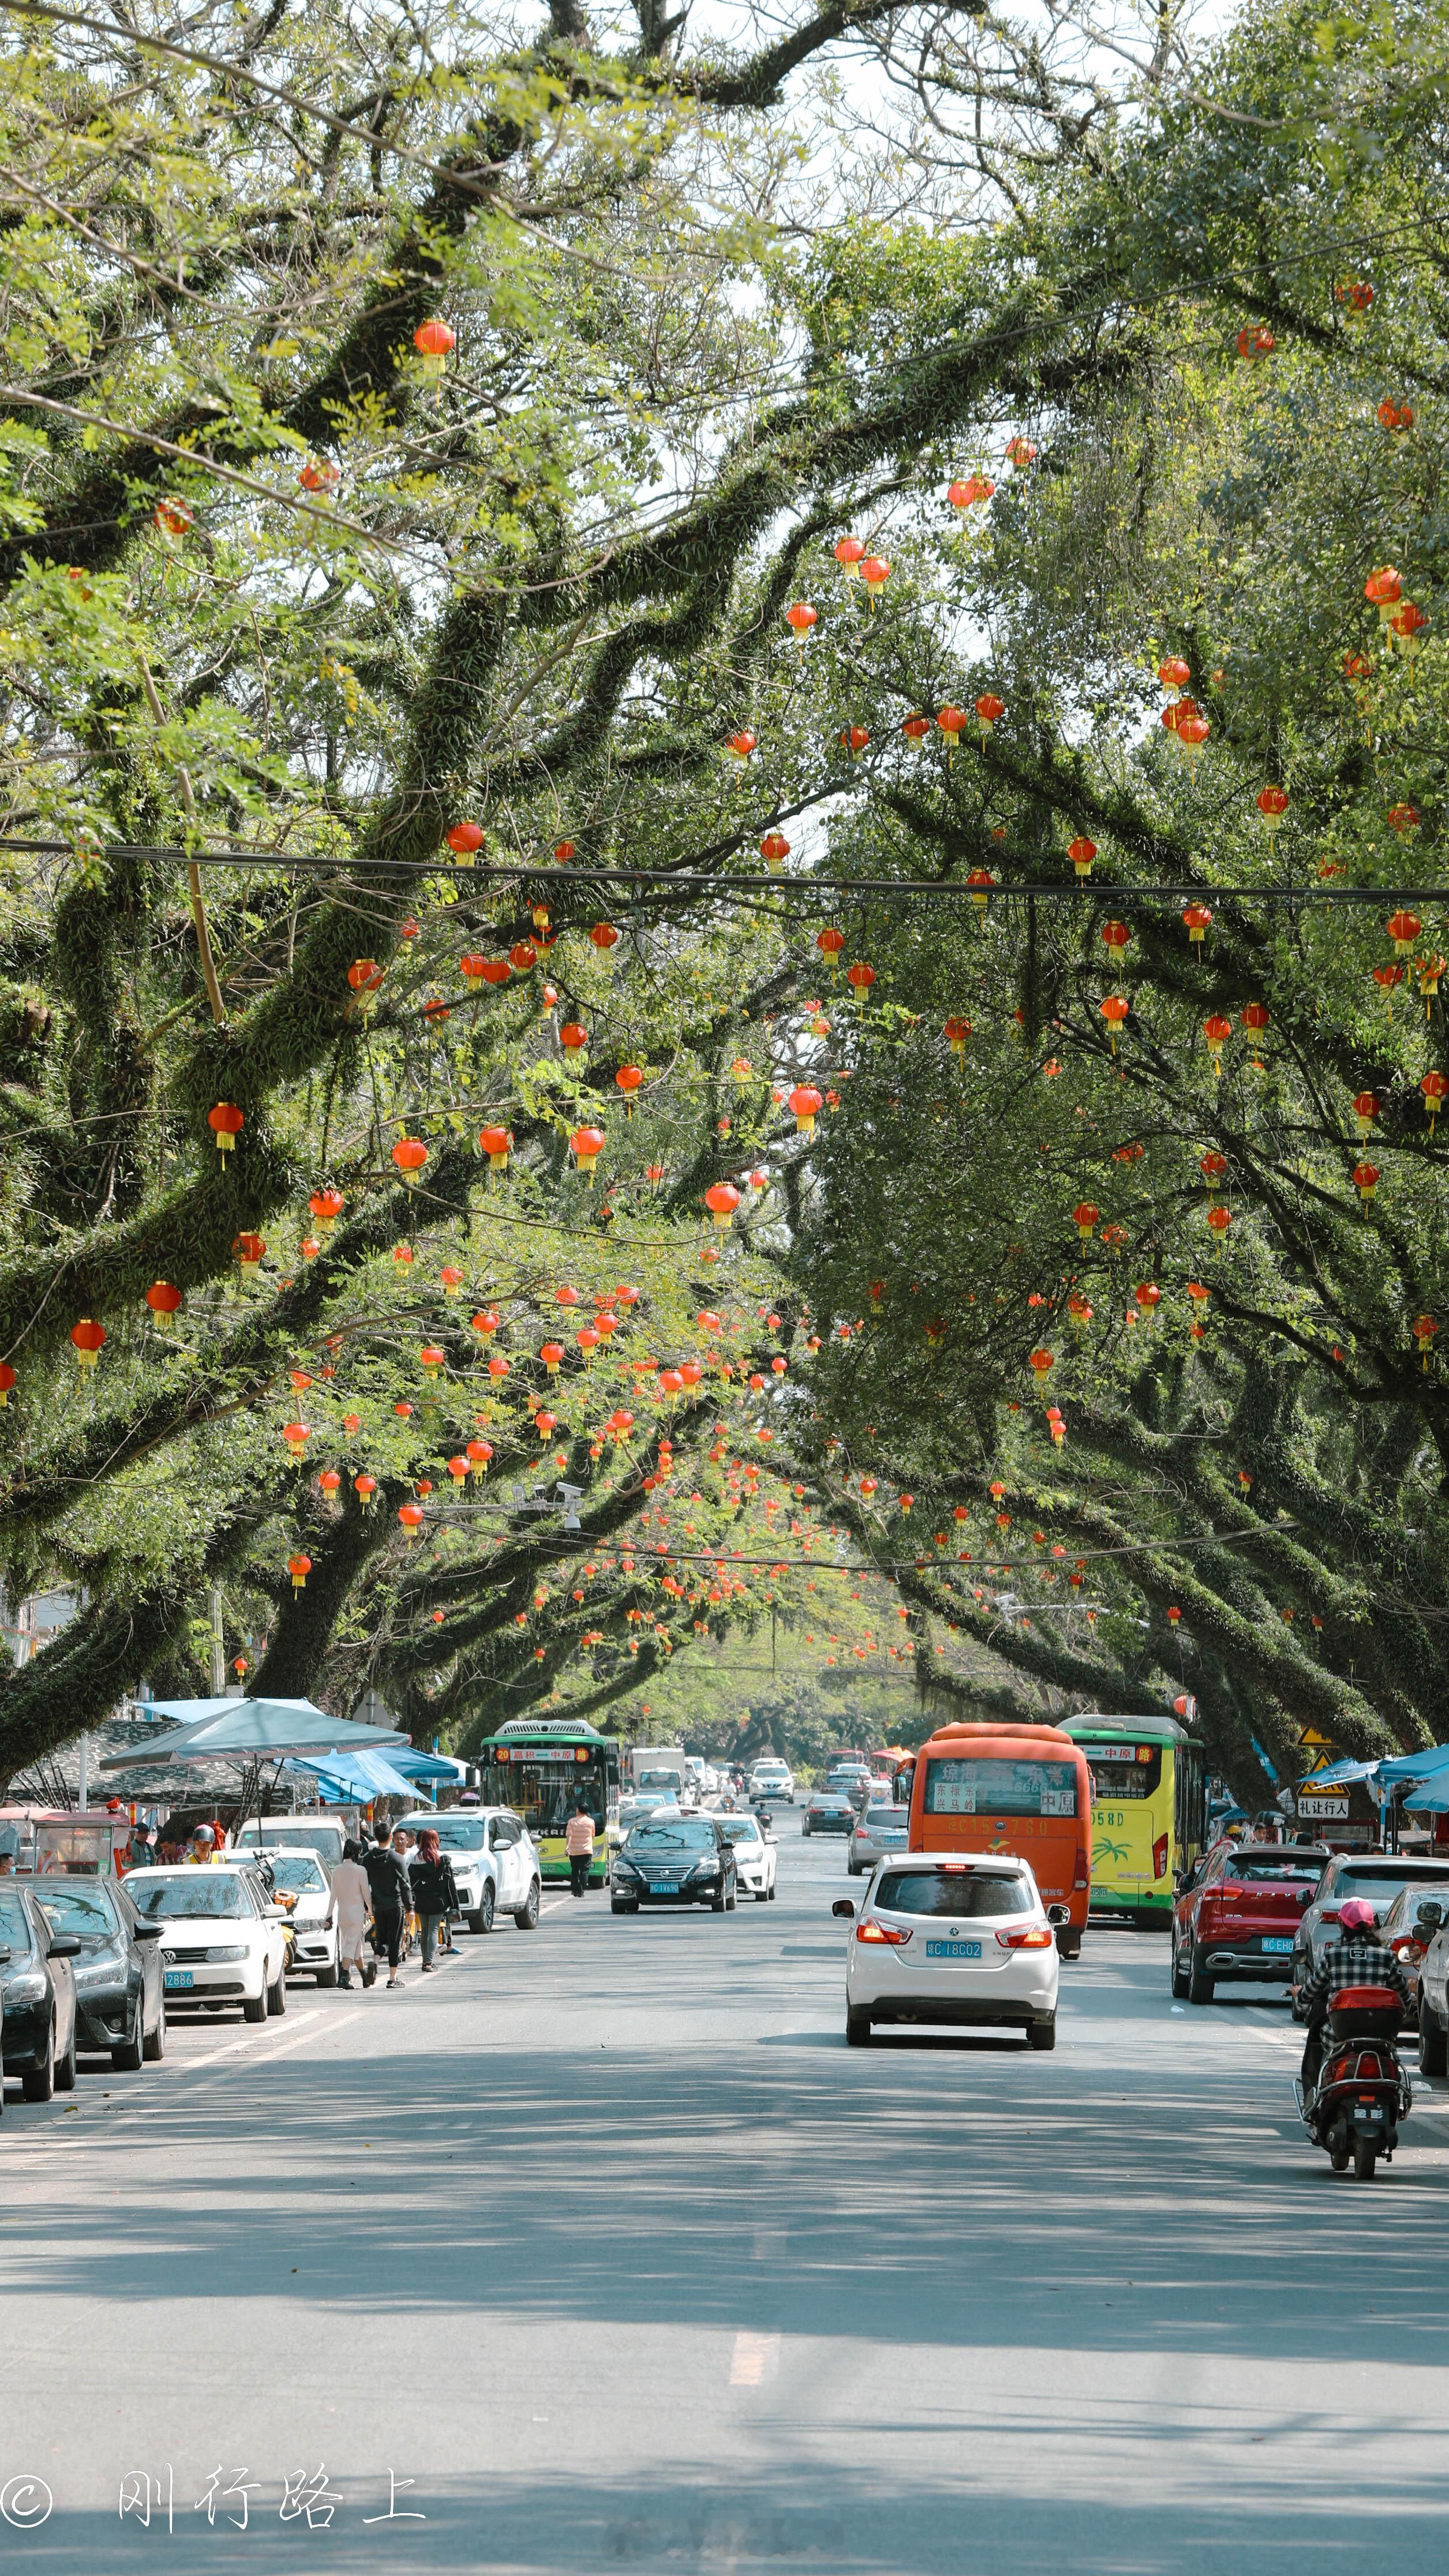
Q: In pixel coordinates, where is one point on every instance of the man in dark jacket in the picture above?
(1359, 1959)
(388, 1880)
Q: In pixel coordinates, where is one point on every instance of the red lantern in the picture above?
(957, 1031)
(7, 1380)
(1255, 1017)
(478, 1453)
(1148, 1296)
(1084, 1218)
(250, 1250)
(980, 878)
(1424, 1329)
(1384, 590)
(319, 474)
(1272, 805)
(523, 957)
(433, 340)
(968, 495)
(1042, 1362)
(860, 979)
(1174, 674)
(916, 727)
(849, 552)
(629, 1077)
(1220, 1218)
(496, 1143)
(226, 1122)
(364, 1487)
(1114, 1011)
(1356, 296)
(87, 1337)
(431, 1359)
(988, 708)
(1365, 1110)
(410, 1154)
(1403, 929)
(1212, 1167)
(326, 1207)
(830, 944)
(805, 1103)
(586, 1145)
(1019, 452)
(299, 1567)
(1434, 1087)
(163, 1301)
(740, 745)
(1216, 1033)
(604, 937)
(773, 849)
(172, 517)
(1115, 935)
(1404, 818)
(572, 1036)
(722, 1199)
(1395, 416)
(1255, 342)
(552, 1356)
(411, 1517)
(1365, 1180)
(875, 572)
(800, 617)
(1082, 852)
(296, 1436)
(1197, 920)
(854, 739)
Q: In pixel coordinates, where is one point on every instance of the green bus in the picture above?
(1149, 1810)
(537, 1766)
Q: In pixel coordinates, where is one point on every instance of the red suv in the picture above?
(1237, 1914)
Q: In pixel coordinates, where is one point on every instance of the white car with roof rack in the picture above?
(960, 1938)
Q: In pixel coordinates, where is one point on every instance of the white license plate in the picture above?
(1284, 1946)
(175, 1977)
(953, 1949)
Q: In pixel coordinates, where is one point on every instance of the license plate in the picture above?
(1286, 1947)
(953, 1949)
(175, 1977)
(662, 1887)
(1367, 2114)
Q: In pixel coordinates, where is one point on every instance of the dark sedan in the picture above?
(37, 1997)
(674, 1860)
(120, 2002)
(828, 1811)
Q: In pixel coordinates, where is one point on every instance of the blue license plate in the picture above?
(175, 1977)
(1284, 1946)
(953, 1949)
(662, 1887)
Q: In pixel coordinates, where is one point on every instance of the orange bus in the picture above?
(1019, 1789)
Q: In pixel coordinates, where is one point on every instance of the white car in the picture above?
(303, 1875)
(221, 1943)
(955, 1937)
(755, 1855)
(772, 1780)
(495, 1862)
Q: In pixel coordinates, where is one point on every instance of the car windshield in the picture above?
(215, 1892)
(885, 1816)
(1276, 1862)
(739, 1829)
(1383, 1884)
(959, 1893)
(87, 1912)
(662, 1840)
(298, 1873)
(14, 1922)
(827, 1798)
(457, 1833)
(973, 1785)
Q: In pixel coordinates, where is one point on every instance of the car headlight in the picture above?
(26, 1990)
(624, 1868)
(704, 1869)
(229, 1950)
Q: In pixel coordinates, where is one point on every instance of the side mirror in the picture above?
(65, 1946)
(843, 1909)
(1059, 1914)
(275, 1913)
(147, 1932)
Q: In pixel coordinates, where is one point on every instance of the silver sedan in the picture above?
(880, 1831)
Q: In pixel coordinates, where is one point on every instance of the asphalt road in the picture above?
(605, 2241)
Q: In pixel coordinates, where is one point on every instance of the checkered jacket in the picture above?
(1360, 1961)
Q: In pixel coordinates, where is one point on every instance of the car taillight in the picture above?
(861, 1834)
(871, 1930)
(1035, 1937)
(1081, 1879)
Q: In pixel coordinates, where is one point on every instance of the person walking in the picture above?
(405, 1845)
(388, 1880)
(579, 1845)
(435, 1894)
(351, 1888)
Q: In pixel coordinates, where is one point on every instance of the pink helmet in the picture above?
(1357, 1915)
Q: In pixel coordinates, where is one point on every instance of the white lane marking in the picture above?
(756, 2358)
(553, 1909)
(189, 2065)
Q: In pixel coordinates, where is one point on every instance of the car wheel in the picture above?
(770, 1891)
(38, 2082)
(1338, 2158)
(1433, 2041)
(857, 2027)
(717, 1903)
(1179, 1972)
(65, 2066)
(153, 2046)
(254, 2007)
(277, 1994)
(1042, 2034)
(762, 1896)
(127, 2058)
(1071, 1947)
(732, 1900)
(1199, 1983)
(481, 1917)
(327, 1976)
(526, 1916)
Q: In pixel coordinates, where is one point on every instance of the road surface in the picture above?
(605, 2241)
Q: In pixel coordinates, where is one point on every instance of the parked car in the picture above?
(120, 2002)
(828, 1811)
(304, 1876)
(220, 1944)
(495, 1862)
(881, 1830)
(1377, 1877)
(953, 1937)
(37, 1996)
(1433, 1991)
(1237, 1915)
(1408, 1928)
(756, 1854)
(674, 1860)
(322, 1834)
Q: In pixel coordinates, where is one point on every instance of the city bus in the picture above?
(1018, 1789)
(537, 1766)
(1149, 1810)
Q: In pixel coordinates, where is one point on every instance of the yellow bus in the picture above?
(1149, 1811)
(539, 1767)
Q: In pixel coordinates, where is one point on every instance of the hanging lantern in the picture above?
(1434, 1086)
(250, 1251)
(860, 979)
(299, 1567)
(1404, 818)
(740, 745)
(1148, 1296)
(1394, 416)
(1255, 1018)
(478, 1454)
(402, 1256)
(774, 850)
(722, 1199)
(957, 1032)
(410, 1516)
(830, 944)
(1114, 1011)
(1174, 674)
(296, 1436)
(1255, 342)
(326, 1206)
(497, 1144)
(163, 1301)
(1085, 1218)
(875, 572)
(1384, 590)
(1220, 1218)
(329, 1482)
(1019, 452)
(433, 340)
(1213, 1167)
(1216, 1033)
(916, 727)
(854, 739)
(586, 1144)
(849, 552)
(1365, 1181)
(800, 617)
(523, 957)
(464, 838)
(410, 1154)
(365, 976)
(172, 517)
(552, 1357)
(1192, 733)
(451, 1278)
(1407, 625)
(498, 1366)
(1272, 805)
(1356, 297)
(604, 937)
(7, 1380)
(87, 1338)
(474, 971)
(1403, 929)
(806, 1104)
(988, 708)
(1424, 1329)
(572, 1037)
(1082, 852)
(1197, 920)
(1365, 1110)
(319, 474)
(979, 878)
(628, 1078)
(1386, 977)
(226, 1122)
(431, 1359)
(458, 1470)
(1042, 1363)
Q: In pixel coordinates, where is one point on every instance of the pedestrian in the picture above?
(579, 1845)
(388, 1881)
(405, 1845)
(353, 1893)
(435, 1894)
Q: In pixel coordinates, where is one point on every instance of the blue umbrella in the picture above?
(250, 1730)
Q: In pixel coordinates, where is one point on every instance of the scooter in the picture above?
(1363, 2092)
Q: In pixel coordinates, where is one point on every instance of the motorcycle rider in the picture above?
(1357, 1958)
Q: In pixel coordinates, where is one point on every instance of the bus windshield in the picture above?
(968, 1785)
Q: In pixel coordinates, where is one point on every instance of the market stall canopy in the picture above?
(1338, 1775)
(250, 1730)
(1427, 1765)
(428, 1766)
(353, 1778)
